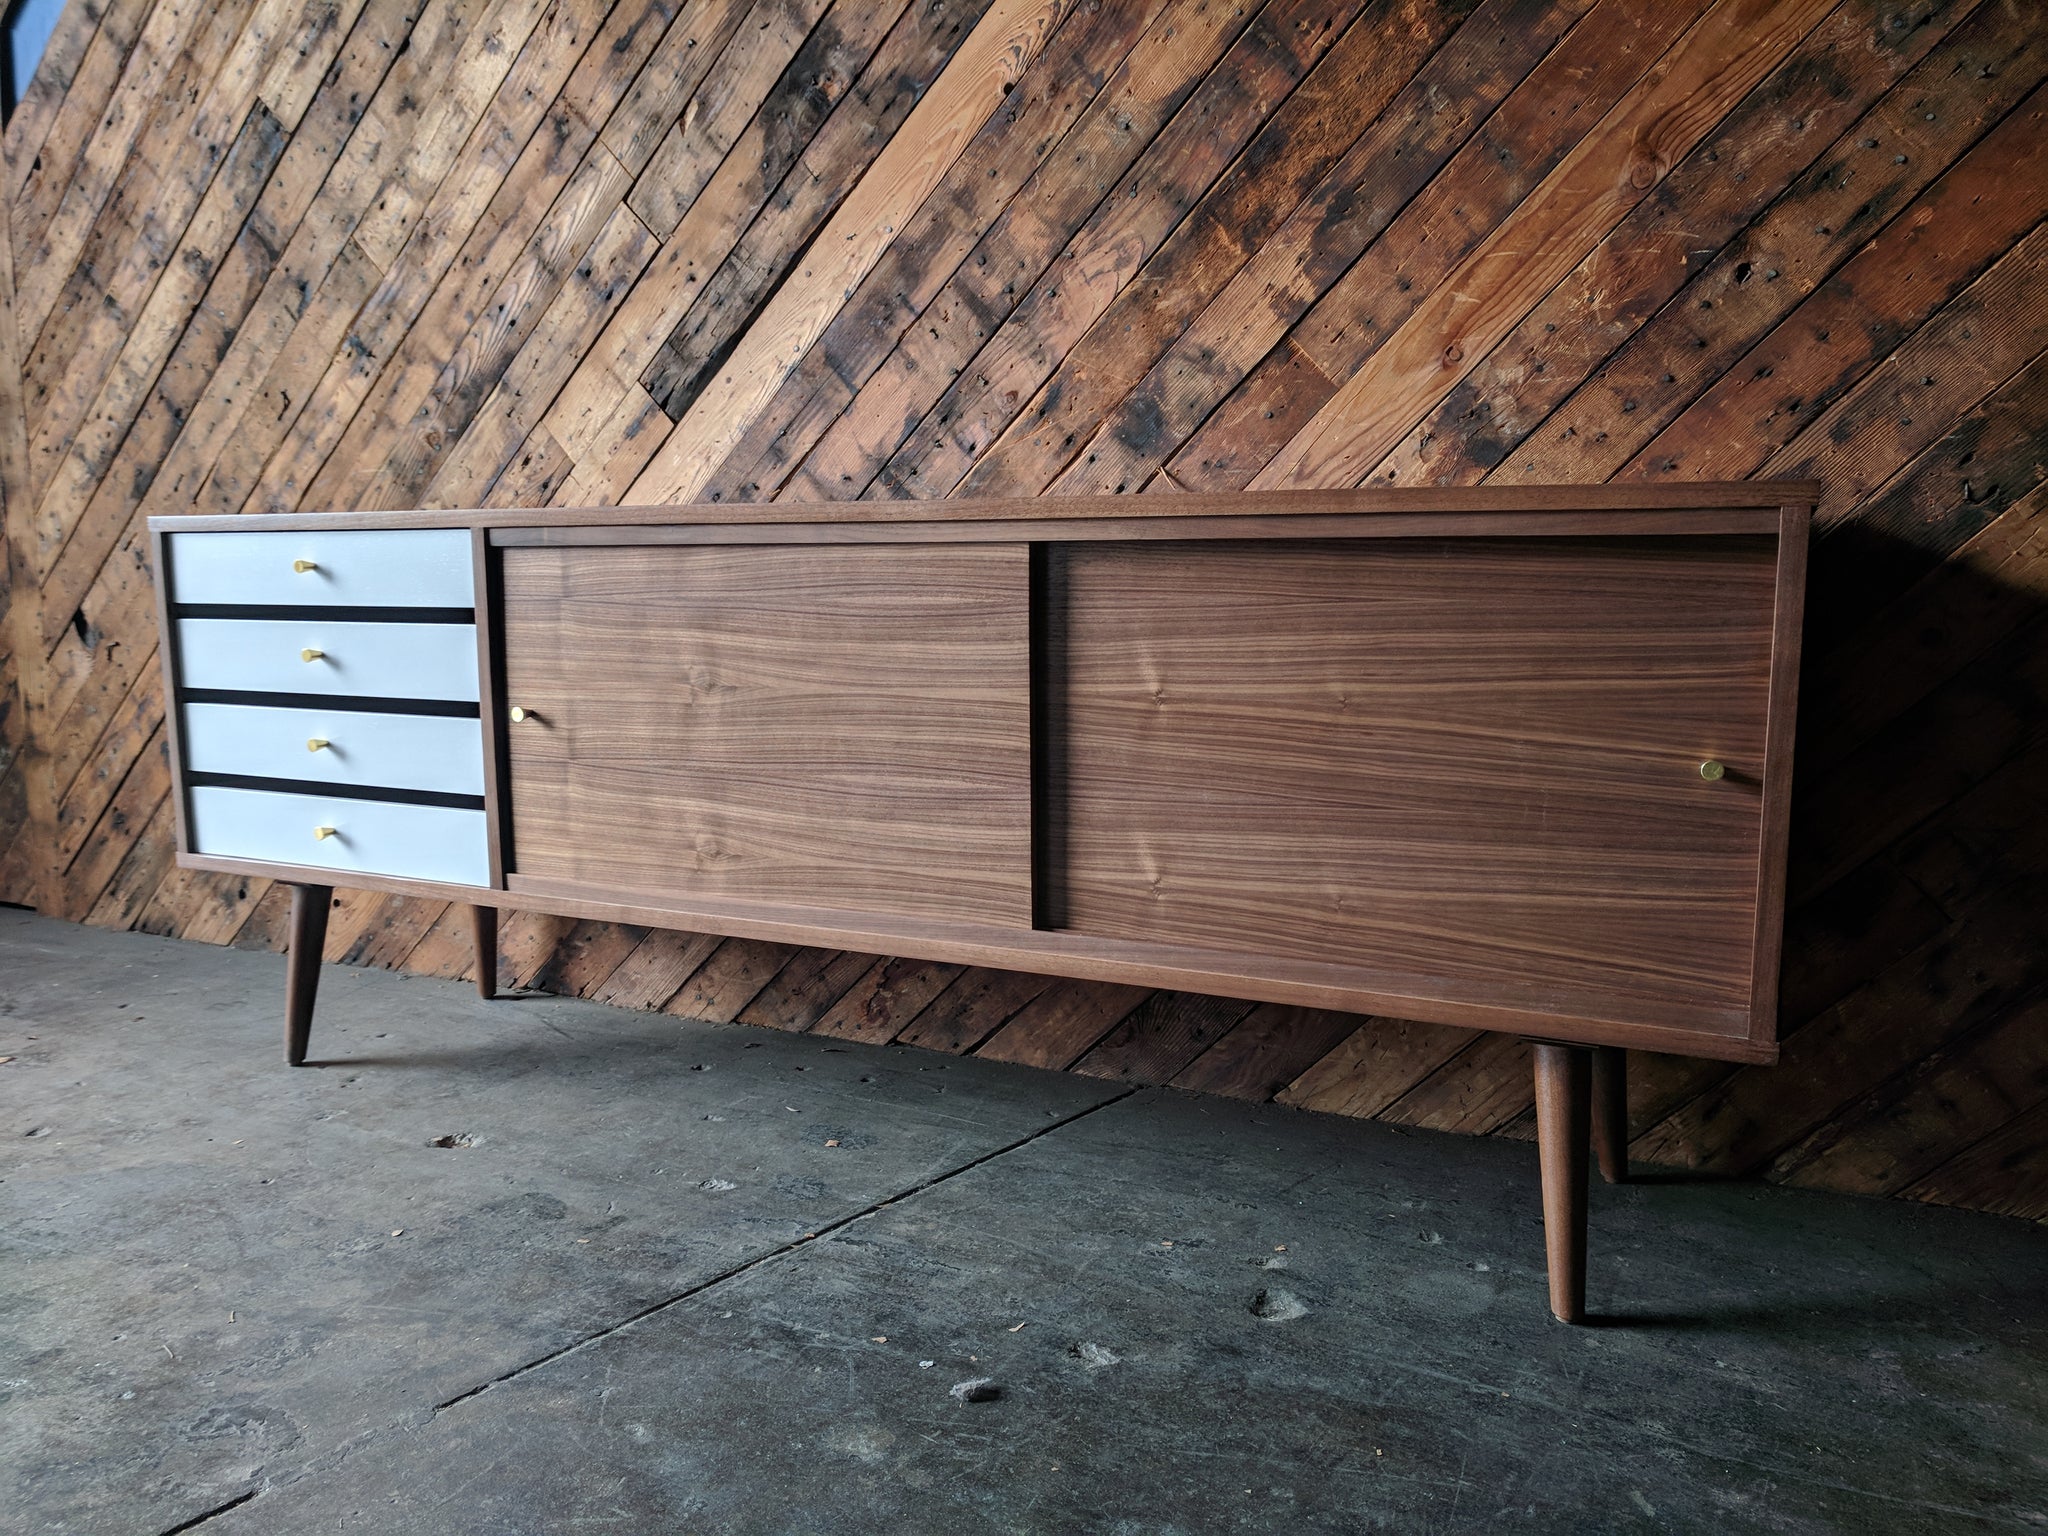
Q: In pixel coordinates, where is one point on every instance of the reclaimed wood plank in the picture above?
(36, 180)
(467, 209)
(656, 969)
(1149, 85)
(1271, 1047)
(1373, 1066)
(145, 865)
(715, 220)
(1176, 180)
(805, 989)
(90, 408)
(1909, 1127)
(889, 993)
(1161, 1036)
(733, 92)
(1922, 761)
(26, 873)
(512, 411)
(134, 812)
(46, 251)
(1475, 1093)
(1876, 167)
(1451, 180)
(268, 925)
(969, 207)
(1059, 1026)
(974, 1005)
(582, 958)
(1593, 188)
(857, 94)
(2006, 1173)
(200, 905)
(1958, 981)
(43, 96)
(659, 92)
(1245, 219)
(1989, 459)
(1008, 36)
(1886, 293)
(1786, 124)
(170, 460)
(147, 238)
(409, 436)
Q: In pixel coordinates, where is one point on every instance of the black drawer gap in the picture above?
(336, 791)
(317, 611)
(355, 703)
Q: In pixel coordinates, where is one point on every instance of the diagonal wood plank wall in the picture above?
(280, 254)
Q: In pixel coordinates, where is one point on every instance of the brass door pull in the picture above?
(321, 834)
(311, 653)
(1713, 768)
(519, 714)
(303, 566)
(314, 744)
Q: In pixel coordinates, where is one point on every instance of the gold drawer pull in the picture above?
(303, 566)
(1713, 768)
(314, 744)
(311, 653)
(518, 714)
(321, 834)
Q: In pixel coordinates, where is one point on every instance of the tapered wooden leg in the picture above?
(302, 966)
(483, 924)
(1563, 1110)
(1610, 1112)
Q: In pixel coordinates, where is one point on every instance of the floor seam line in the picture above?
(795, 1244)
(219, 1509)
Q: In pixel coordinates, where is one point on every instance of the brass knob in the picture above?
(519, 714)
(314, 744)
(303, 566)
(1713, 768)
(321, 834)
(311, 653)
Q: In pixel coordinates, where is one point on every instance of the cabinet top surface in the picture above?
(1561, 501)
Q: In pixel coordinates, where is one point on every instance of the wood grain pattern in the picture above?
(774, 725)
(1465, 759)
(267, 249)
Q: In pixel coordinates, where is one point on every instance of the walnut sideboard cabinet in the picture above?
(1512, 759)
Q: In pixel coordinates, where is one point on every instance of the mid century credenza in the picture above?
(1511, 759)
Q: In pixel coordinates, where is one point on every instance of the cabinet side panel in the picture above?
(841, 727)
(1475, 761)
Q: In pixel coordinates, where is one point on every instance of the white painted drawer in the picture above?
(378, 661)
(432, 752)
(372, 837)
(375, 568)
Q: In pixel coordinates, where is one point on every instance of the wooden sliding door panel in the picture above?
(829, 726)
(1471, 761)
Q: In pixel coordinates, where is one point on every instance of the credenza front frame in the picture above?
(1781, 510)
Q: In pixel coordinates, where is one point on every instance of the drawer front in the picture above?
(378, 661)
(431, 752)
(371, 568)
(372, 837)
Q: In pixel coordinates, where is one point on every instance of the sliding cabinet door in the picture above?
(830, 726)
(1470, 766)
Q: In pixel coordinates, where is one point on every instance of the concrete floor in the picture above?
(652, 1295)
